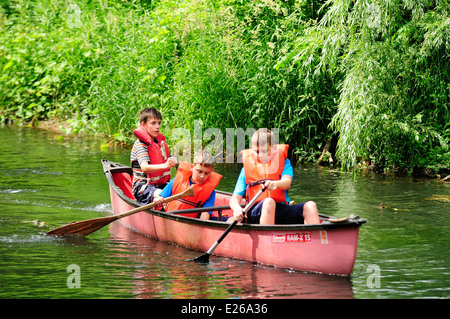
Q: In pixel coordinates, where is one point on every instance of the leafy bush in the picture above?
(372, 73)
(390, 61)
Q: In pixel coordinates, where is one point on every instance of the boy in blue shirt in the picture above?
(267, 164)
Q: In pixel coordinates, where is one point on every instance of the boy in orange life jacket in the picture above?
(266, 165)
(201, 177)
(150, 157)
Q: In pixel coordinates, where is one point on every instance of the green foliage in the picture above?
(95, 64)
(373, 72)
(230, 76)
(390, 61)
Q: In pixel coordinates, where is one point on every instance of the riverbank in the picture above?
(61, 129)
(235, 64)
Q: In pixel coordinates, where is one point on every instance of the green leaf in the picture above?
(8, 65)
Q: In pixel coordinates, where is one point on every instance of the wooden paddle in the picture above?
(203, 259)
(86, 227)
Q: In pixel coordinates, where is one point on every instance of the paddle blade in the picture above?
(82, 228)
(203, 259)
(187, 193)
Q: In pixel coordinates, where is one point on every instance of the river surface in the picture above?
(47, 180)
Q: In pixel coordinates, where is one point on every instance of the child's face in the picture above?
(263, 152)
(200, 173)
(153, 126)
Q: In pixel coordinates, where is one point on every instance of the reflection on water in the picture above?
(49, 180)
(168, 270)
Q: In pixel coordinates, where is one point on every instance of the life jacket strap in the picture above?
(188, 202)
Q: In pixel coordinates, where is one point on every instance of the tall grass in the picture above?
(375, 74)
(229, 75)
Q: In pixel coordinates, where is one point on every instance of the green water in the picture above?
(403, 250)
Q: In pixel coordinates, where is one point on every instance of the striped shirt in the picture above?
(139, 154)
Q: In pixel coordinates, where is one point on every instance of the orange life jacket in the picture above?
(257, 171)
(158, 152)
(202, 191)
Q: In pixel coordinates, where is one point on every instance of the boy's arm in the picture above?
(144, 160)
(283, 184)
(166, 192)
(211, 200)
(286, 178)
(151, 168)
(208, 203)
(238, 195)
(238, 211)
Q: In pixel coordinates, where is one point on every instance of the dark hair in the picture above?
(149, 113)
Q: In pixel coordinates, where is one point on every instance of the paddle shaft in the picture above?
(148, 206)
(246, 208)
(86, 227)
(188, 192)
(209, 252)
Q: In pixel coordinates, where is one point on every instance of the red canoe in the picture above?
(329, 247)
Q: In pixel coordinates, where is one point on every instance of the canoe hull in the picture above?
(329, 249)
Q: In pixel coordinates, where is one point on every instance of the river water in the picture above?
(47, 180)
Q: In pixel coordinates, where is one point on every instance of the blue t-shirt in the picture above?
(167, 191)
(241, 184)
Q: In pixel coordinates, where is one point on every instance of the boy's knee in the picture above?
(310, 213)
(268, 212)
(310, 206)
(269, 203)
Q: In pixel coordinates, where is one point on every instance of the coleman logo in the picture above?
(304, 237)
(323, 237)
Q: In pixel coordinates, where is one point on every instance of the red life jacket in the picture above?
(202, 191)
(158, 152)
(256, 171)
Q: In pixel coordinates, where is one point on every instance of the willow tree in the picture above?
(390, 62)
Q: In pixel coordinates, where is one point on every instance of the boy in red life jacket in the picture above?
(201, 177)
(150, 157)
(266, 165)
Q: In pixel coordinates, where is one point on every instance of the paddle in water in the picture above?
(86, 227)
(203, 259)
